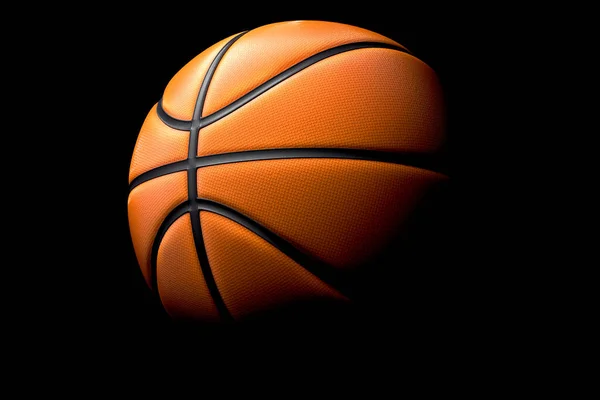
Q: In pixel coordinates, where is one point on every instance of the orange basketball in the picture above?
(277, 163)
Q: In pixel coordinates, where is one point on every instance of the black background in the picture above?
(442, 305)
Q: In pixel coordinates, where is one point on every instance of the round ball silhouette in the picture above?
(278, 163)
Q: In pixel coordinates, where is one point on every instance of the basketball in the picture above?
(278, 166)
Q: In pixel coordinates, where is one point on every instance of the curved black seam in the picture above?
(217, 115)
(205, 121)
(197, 115)
(424, 161)
(325, 272)
(183, 125)
(157, 172)
(173, 216)
(171, 122)
(193, 185)
(318, 268)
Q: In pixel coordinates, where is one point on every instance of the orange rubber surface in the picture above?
(251, 274)
(342, 211)
(181, 284)
(376, 99)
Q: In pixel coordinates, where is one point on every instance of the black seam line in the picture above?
(193, 185)
(320, 269)
(205, 121)
(418, 160)
(159, 171)
(328, 274)
(197, 115)
(171, 122)
(173, 216)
